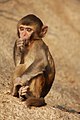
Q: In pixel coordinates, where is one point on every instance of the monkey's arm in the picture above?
(16, 54)
(16, 82)
(19, 70)
(24, 73)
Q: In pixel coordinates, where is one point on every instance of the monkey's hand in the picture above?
(23, 92)
(21, 44)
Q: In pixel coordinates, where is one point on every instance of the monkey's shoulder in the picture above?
(40, 44)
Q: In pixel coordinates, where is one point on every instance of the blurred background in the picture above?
(63, 39)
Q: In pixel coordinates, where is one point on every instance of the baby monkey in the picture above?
(34, 66)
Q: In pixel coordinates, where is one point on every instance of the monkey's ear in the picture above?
(44, 31)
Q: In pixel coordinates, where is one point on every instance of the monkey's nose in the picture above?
(24, 33)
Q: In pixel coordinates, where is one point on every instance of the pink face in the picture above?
(25, 31)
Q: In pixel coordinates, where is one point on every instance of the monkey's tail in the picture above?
(37, 102)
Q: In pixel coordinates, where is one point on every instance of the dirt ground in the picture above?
(63, 39)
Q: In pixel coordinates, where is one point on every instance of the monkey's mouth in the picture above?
(26, 42)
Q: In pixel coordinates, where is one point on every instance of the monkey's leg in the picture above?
(15, 87)
(36, 87)
(15, 91)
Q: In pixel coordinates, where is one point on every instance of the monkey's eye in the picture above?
(21, 28)
(29, 29)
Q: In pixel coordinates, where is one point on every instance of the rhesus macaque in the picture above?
(35, 70)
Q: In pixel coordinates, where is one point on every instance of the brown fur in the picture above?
(37, 102)
(40, 79)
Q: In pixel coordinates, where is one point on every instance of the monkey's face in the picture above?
(26, 32)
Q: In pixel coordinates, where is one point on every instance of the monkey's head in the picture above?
(31, 27)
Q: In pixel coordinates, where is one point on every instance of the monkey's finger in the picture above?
(22, 94)
(21, 40)
(26, 88)
(21, 46)
(24, 91)
(19, 43)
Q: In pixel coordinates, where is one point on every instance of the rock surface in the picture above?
(63, 39)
